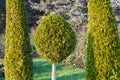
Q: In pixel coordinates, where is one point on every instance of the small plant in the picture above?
(54, 39)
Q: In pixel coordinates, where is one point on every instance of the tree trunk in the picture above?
(53, 72)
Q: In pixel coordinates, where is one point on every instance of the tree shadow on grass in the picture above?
(42, 71)
(42, 68)
(78, 76)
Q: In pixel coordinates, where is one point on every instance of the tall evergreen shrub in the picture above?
(18, 59)
(103, 56)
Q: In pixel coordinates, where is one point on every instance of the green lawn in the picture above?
(42, 71)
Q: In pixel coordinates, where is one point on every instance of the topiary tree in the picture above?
(103, 57)
(18, 59)
(54, 39)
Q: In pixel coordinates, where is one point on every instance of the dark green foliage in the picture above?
(18, 59)
(54, 39)
(90, 64)
(103, 56)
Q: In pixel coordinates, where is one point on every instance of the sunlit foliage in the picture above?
(18, 59)
(54, 39)
(103, 56)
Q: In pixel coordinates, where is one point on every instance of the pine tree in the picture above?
(54, 39)
(103, 57)
(18, 59)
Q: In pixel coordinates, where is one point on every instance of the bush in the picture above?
(103, 57)
(18, 59)
(54, 39)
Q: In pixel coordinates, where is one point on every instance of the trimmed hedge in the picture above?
(103, 56)
(18, 58)
(54, 39)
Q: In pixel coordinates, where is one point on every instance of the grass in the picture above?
(42, 71)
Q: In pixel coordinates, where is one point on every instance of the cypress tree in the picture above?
(54, 39)
(18, 58)
(103, 57)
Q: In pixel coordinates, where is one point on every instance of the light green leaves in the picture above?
(54, 39)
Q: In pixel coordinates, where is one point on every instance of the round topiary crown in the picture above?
(54, 39)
